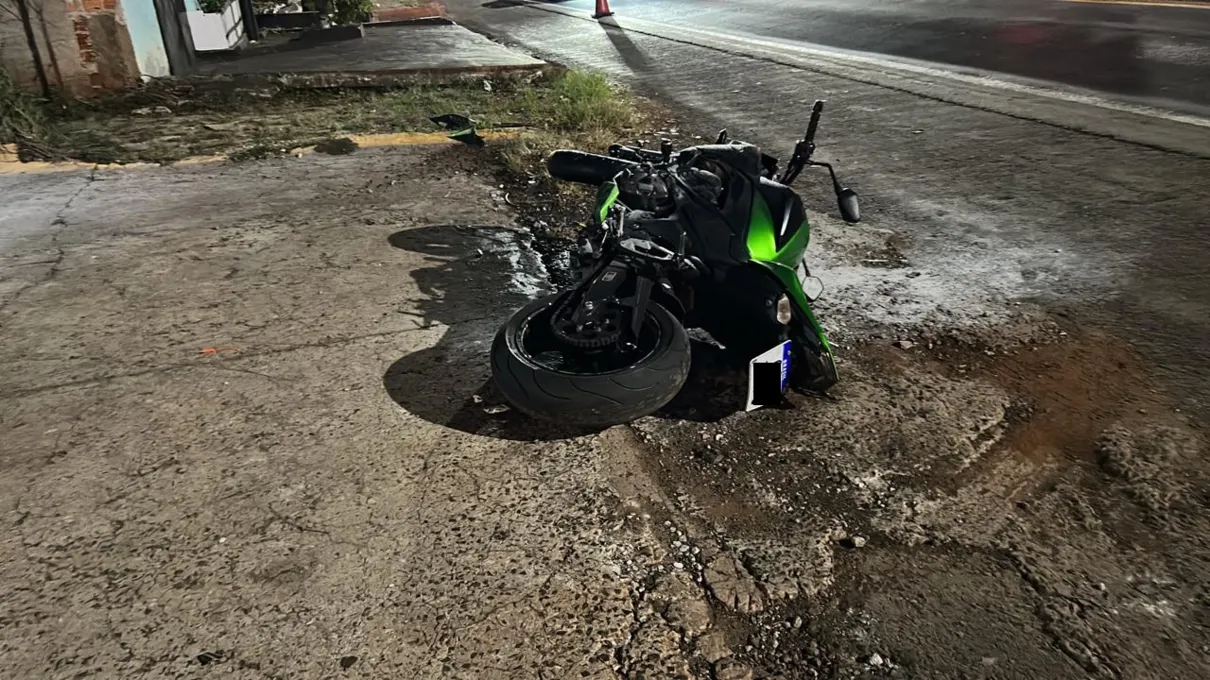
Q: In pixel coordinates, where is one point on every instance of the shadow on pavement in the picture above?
(630, 53)
(473, 279)
(716, 388)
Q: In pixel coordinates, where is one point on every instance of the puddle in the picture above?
(526, 271)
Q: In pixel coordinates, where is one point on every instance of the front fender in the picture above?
(669, 301)
(787, 278)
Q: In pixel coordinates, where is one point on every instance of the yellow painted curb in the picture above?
(10, 165)
(414, 138)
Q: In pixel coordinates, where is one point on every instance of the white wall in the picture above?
(214, 32)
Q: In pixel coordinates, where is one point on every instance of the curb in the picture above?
(10, 165)
(422, 21)
(311, 38)
(378, 79)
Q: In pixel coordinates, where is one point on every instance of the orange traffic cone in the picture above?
(602, 10)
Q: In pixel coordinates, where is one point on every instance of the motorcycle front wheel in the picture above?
(546, 379)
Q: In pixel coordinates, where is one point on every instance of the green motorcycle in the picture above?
(709, 237)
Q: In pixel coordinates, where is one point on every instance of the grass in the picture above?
(173, 122)
(581, 101)
(580, 110)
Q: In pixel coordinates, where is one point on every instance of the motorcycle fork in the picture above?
(605, 285)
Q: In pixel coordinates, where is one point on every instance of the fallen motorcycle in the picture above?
(711, 237)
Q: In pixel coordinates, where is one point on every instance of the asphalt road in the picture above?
(1159, 53)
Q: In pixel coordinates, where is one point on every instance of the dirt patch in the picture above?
(958, 462)
(1076, 388)
(406, 10)
(886, 255)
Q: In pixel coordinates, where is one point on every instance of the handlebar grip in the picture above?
(816, 111)
(585, 168)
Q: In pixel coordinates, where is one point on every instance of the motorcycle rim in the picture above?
(537, 345)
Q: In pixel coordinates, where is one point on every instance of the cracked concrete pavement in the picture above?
(248, 430)
(205, 474)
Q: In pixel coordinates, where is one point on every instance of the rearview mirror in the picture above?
(850, 211)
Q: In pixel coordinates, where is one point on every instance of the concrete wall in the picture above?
(85, 45)
(63, 64)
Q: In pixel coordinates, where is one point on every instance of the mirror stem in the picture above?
(831, 171)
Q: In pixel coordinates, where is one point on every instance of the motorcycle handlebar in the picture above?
(816, 111)
(585, 168)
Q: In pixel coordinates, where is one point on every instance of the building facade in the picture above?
(91, 46)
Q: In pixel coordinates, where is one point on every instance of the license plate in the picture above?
(769, 376)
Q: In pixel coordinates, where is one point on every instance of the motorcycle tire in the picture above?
(590, 400)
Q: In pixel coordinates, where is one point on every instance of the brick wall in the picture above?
(84, 44)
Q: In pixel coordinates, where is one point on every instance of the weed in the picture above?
(352, 11)
(577, 109)
(580, 102)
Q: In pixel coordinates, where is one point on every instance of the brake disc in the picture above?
(592, 335)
